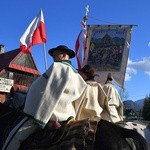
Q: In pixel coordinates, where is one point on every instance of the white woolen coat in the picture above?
(93, 103)
(115, 105)
(51, 99)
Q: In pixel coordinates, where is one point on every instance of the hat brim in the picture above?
(86, 72)
(70, 52)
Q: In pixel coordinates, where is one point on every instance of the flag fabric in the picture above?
(80, 46)
(34, 34)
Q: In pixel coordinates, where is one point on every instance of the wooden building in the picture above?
(17, 70)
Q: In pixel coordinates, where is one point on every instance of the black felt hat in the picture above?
(88, 70)
(64, 48)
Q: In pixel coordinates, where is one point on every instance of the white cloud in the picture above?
(129, 71)
(148, 73)
(149, 44)
(134, 66)
(127, 77)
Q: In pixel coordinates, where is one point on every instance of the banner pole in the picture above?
(85, 18)
(45, 60)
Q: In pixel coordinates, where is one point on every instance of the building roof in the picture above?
(17, 60)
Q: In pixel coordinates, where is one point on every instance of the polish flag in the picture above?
(34, 34)
(80, 46)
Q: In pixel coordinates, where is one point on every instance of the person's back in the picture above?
(94, 98)
(55, 91)
(115, 105)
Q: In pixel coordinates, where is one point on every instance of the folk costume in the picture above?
(94, 101)
(94, 96)
(49, 98)
(115, 105)
(62, 87)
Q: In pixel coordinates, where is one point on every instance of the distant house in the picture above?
(17, 70)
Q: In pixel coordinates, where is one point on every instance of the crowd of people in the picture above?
(63, 92)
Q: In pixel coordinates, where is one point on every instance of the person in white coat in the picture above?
(115, 104)
(50, 98)
(94, 97)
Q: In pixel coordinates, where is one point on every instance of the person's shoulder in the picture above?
(65, 65)
(56, 64)
(69, 64)
(61, 63)
(108, 84)
(92, 83)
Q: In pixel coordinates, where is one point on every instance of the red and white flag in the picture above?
(34, 34)
(80, 46)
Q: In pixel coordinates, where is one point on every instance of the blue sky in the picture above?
(62, 20)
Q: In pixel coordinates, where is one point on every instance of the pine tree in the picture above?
(146, 108)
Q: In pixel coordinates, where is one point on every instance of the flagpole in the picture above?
(84, 25)
(80, 45)
(85, 18)
(44, 50)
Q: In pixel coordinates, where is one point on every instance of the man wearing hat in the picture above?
(115, 104)
(95, 97)
(50, 97)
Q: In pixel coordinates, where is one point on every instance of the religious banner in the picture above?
(107, 50)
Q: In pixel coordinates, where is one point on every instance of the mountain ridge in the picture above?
(136, 105)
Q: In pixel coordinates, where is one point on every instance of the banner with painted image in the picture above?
(107, 50)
